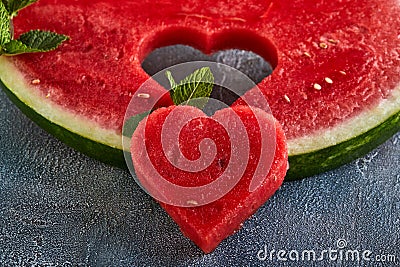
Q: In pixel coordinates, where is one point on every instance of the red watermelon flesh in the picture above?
(95, 74)
(209, 224)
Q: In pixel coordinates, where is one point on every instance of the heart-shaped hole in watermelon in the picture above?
(241, 49)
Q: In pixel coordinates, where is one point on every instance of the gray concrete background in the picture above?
(61, 208)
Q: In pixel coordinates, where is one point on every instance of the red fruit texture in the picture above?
(209, 224)
(355, 44)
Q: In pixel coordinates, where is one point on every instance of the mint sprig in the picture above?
(34, 41)
(194, 90)
(5, 31)
(29, 42)
(13, 6)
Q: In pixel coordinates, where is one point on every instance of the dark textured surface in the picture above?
(60, 208)
(249, 63)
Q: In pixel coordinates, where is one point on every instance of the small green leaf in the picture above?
(34, 41)
(170, 79)
(13, 6)
(199, 84)
(132, 123)
(5, 33)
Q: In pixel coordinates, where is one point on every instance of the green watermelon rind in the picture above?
(93, 149)
(302, 165)
(308, 164)
(307, 156)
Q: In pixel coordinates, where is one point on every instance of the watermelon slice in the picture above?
(207, 225)
(335, 86)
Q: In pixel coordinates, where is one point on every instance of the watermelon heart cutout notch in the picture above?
(181, 142)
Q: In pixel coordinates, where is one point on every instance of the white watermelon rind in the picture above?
(84, 136)
(308, 155)
(311, 163)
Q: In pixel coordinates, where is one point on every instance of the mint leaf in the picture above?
(5, 33)
(170, 79)
(132, 123)
(34, 41)
(13, 6)
(29, 42)
(199, 84)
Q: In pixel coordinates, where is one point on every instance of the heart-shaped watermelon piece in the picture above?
(207, 225)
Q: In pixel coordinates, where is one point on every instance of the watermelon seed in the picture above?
(342, 72)
(332, 41)
(328, 80)
(317, 86)
(35, 81)
(221, 163)
(143, 95)
(323, 45)
(287, 98)
(192, 202)
(307, 54)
